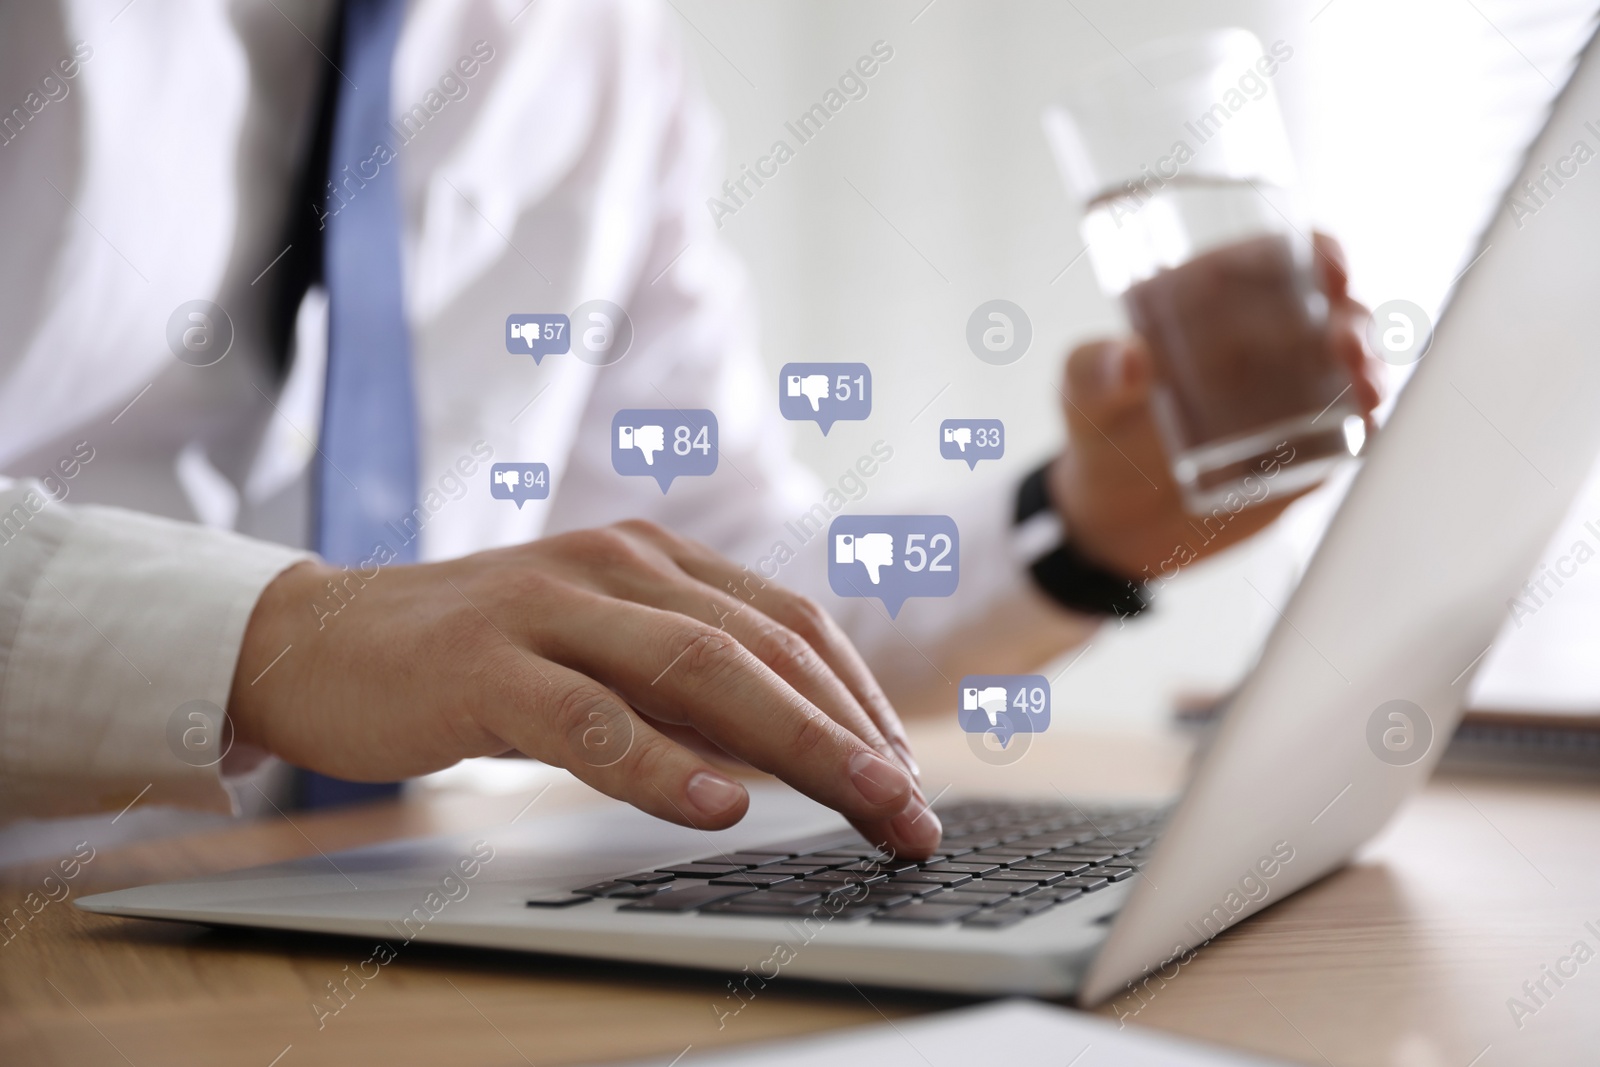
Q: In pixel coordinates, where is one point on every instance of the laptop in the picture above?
(1349, 707)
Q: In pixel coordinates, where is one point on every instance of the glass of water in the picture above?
(1179, 157)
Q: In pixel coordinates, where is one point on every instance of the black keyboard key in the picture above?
(812, 885)
(765, 911)
(623, 890)
(789, 893)
(996, 885)
(962, 868)
(687, 898)
(961, 896)
(639, 891)
(797, 902)
(1060, 893)
(931, 878)
(645, 878)
(1003, 855)
(887, 897)
(1090, 856)
(916, 889)
(865, 852)
(1060, 840)
(737, 906)
(1036, 877)
(926, 912)
(1111, 874)
(887, 867)
(743, 859)
(699, 870)
(1062, 866)
(1132, 840)
(806, 846)
(797, 869)
(758, 879)
(806, 885)
(559, 899)
(980, 841)
(1084, 882)
(847, 877)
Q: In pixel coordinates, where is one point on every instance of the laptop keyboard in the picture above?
(1000, 862)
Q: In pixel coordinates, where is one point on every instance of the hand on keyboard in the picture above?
(618, 653)
(1001, 861)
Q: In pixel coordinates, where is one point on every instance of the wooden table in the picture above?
(1408, 957)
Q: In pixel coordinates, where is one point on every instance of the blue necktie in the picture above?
(366, 474)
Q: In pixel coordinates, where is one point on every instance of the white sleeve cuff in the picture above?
(110, 621)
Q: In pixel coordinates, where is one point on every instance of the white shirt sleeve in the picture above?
(110, 621)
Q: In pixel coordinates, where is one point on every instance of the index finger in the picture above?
(815, 626)
(679, 670)
(1333, 269)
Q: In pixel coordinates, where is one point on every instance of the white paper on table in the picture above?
(1016, 1033)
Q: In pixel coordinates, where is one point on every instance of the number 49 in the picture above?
(1029, 700)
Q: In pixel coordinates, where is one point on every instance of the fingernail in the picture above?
(917, 827)
(876, 779)
(712, 793)
(1111, 366)
(906, 757)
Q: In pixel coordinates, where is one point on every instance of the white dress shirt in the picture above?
(148, 501)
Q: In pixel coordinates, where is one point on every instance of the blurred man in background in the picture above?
(259, 260)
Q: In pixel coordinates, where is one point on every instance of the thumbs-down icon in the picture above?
(873, 551)
(647, 439)
(960, 436)
(991, 700)
(814, 387)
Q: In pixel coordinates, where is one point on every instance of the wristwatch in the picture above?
(1060, 571)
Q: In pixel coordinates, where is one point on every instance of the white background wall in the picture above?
(936, 192)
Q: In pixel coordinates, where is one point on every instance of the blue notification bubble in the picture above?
(972, 439)
(1004, 705)
(825, 393)
(538, 335)
(894, 557)
(664, 443)
(521, 482)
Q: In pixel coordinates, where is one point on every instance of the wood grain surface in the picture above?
(1408, 957)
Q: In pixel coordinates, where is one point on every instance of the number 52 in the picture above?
(939, 543)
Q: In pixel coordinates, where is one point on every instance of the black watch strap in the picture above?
(1064, 574)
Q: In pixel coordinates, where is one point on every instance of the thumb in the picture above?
(1106, 380)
